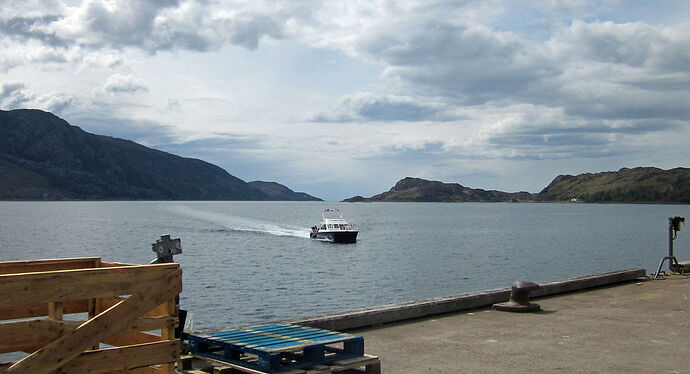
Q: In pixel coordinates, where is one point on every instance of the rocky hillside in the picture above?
(277, 191)
(44, 157)
(421, 190)
(638, 185)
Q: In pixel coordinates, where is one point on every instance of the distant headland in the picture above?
(636, 185)
(42, 157)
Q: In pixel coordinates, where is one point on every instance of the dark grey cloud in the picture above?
(467, 64)
(248, 29)
(228, 151)
(618, 127)
(586, 139)
(152, 26)
(26, 28)
(124, 84)
(12, 95)
(16, 95)
(625, 44)
(130, 25)
(106, 122)
(385, 109)
(590, 70)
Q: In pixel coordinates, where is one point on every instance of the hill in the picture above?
(44, 157)
(637, 185)
(421, 190)
(277, 191)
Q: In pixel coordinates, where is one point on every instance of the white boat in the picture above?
(335, 230)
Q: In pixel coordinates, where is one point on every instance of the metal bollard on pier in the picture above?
(519, 299)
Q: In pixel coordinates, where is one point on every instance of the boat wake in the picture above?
(243, 224)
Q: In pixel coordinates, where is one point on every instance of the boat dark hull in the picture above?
(336, 236)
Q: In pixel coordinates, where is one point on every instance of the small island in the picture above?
(636, 185)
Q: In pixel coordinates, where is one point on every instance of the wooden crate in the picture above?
(83, 315)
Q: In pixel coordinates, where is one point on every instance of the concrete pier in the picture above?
(418, 309)
(631, 327)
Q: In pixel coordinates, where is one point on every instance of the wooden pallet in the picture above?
(277, 347)
(366, 364)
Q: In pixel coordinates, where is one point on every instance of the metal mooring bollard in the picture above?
(519, 298)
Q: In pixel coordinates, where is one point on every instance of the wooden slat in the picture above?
(107, 302)
(118, 359)
(168, 333)
(111, 321)
(114, 264)
(16, 267)
(145, 370)
(129, 338)
(23, 335)
(55, 310)
(34, 288)
(38, 310)
(17, 336)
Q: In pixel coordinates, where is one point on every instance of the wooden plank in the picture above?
(107, 302)
(35, 288)
(38, 310)
(125, 358)
(146, 370)
(16, 267)
(18, 336)
(168, 332)
(114, 264)
(128, 338)
(111, 321)
(55, 310)
(23, 335)
(371, 364)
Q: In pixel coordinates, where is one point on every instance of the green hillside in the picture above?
(637, 185)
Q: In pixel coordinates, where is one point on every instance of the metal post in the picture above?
(670, 242)
(674, 225)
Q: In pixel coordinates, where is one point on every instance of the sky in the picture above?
(345, 98)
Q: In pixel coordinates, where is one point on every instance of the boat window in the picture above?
(323, 227)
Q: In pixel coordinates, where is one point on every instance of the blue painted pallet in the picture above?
(276, 347)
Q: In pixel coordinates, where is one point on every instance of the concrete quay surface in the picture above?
(632, 327)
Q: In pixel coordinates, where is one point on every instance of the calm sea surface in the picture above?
(247, 262)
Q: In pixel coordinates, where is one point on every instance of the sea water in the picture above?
(251, 262)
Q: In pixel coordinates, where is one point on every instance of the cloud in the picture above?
(12, 95)
(124, 84)
(385, 109)
(106, 122)
(15, 95)
(153, 25)
(27, 28)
